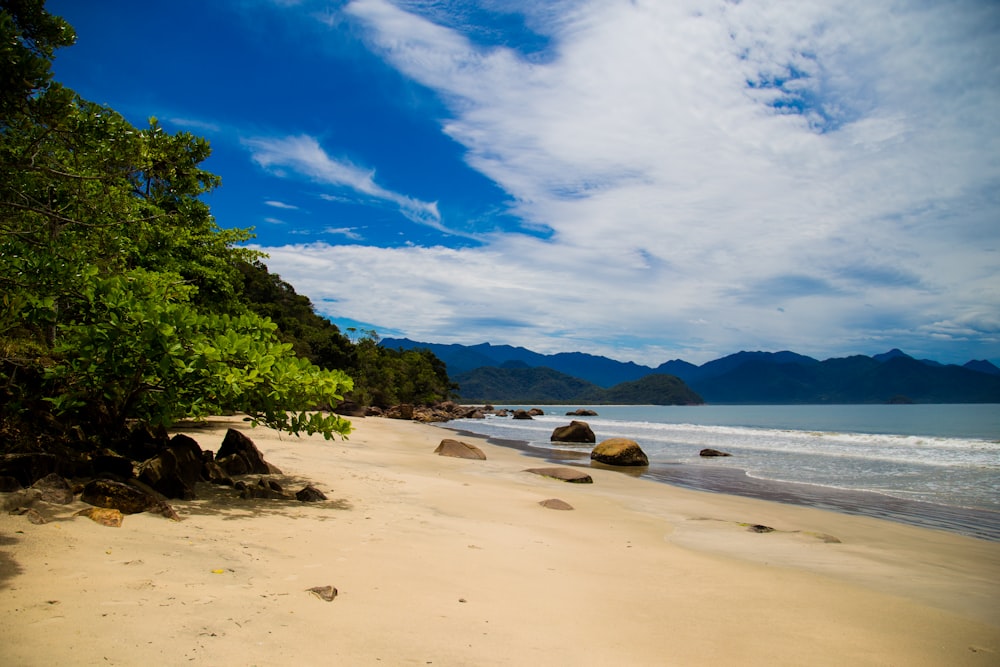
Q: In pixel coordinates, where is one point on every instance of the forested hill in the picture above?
(523, 385)
(755, 377)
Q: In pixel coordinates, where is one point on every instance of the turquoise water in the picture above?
(936, 465)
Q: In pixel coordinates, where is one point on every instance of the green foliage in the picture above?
(385, 376)
(121, 296)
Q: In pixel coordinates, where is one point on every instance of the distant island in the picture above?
(516, 374)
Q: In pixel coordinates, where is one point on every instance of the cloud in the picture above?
(304, 156)
(698, 165)
(281, 205)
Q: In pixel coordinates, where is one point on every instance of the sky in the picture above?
(644, 180)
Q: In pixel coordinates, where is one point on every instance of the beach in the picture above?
(449, 561)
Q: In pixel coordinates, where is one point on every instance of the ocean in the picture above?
(935, 466)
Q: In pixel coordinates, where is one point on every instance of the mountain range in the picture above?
(744, 377)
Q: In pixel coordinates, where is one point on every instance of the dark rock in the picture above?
(27, 468)
(175, 470)
(709, 452)
(9, 484)
(310, 494)
(268, 490)
(118, 467)
(459, 449)
(576, 431)
(522, 414)
(243, 447)
(619, 452)
(564, 474)
(555, 504)
(212, 472)
(123, 497)
(758, 528)
(350, 409)
(581, 412)
(402, 411)
(326, 593)
(54, 489)
(234, 464)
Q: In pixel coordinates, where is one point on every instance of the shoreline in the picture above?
(728, 480)
(453, 561)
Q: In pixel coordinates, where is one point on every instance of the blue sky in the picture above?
(644, 180)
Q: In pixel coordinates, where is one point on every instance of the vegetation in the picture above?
(546, 386)
(123, 303)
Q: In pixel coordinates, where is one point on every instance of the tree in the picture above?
(120, 293)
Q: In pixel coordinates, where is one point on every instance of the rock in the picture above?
(712, 452)
(575, 432)
(235, 443)
(27, 468)
(310, 494)
(758, 528)
(214, 474)
(34, 517)
(522, 414)
(54, 489)
(402, 411)
(501, 413)
(581, 412)
(123, 497)
(102, 515)
(619, 452)
(9, 484)
(118, 467)
(175, 470)
(268, 489)
(323, 592)
(350, 409)
(536, 412)
(234, 464)
(555, 504)
(565, 474)
(459, 450)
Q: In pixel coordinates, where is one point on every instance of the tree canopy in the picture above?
(121, 297)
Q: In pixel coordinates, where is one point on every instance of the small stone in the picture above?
(324, 592)
(104, 516)
(758, 528)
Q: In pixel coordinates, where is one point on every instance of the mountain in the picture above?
(544, 385)
(753, 377)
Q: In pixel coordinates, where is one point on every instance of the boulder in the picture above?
(581, 412)
(9, 484)
(102, 515)
(575, 432)
(54, 489)
(310, 494)
(118, 467)
(564, 474)
(555, 504)
(212, 472)
(619, 452)
(123, 497)
(709, 452)
(459, 450)
(175, 470)
(27, 468)
(536, 412)
(239, 445)
(522, 414)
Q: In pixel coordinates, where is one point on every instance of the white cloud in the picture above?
(304, 155)
(280, 204)
(853, 185)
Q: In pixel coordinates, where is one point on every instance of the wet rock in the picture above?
(564, 474)
(575, 431)
(521, 414)
(619, 452)
(459, 449)
(709, 452)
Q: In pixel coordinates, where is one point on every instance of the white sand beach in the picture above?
(450, 561)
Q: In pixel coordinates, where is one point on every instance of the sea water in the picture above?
(930, 465)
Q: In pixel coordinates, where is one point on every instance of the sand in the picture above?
(450, 561)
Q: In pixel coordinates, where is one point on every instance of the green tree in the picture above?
(121, 296)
